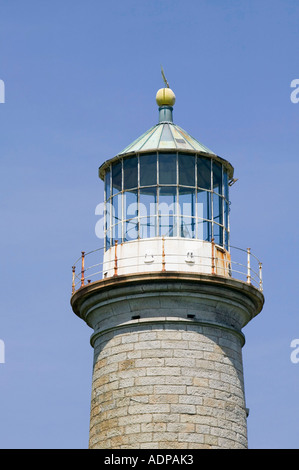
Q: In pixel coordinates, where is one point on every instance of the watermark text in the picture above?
(2, 92)
(295, 353)
(2, 352)
(295, 93)
(135, 214)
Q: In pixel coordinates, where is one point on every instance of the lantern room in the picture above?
(166, 185)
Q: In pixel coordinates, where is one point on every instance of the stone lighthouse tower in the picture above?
(167, 298)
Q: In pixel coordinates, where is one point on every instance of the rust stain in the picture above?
(163, 255)
(115, 259)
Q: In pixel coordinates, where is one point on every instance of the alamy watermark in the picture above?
(134, 211)
(2, 351)
(295, 353)
(2, 92)
(295, 93)
(99, 228)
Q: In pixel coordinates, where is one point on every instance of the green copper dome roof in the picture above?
(163, 136)
(166, 135)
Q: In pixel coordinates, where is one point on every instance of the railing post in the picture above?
(163, 256)
(260, 276)
(73, 278)
(82, 268)
(248, 266)
(115, 258)
(213, 256)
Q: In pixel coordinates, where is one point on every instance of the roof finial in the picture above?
(165, 96)
(164, 78)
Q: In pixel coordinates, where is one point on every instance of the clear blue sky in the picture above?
(80, 84)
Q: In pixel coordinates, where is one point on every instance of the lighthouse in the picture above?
(167, 298)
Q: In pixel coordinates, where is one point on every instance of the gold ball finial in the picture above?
(165, 97)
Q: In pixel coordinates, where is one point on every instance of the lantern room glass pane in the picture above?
(130, 215)
(218, 234)
(167, 168)
(187, 202)
(204, 204)
(116, 178)
(148, 202)
(217, 209)
(130, 205)
(130, 173)
(148, 169)
(107, 215)
(108, 240)
(107, 184)
(148, 227)
(167, 211)
(186, 170)
(187, 227)
(217, 177)
(204, 230)
(203, 173)
(116, 209)
(116, 233)
(131, 229)
(167, 226)
(167, 200)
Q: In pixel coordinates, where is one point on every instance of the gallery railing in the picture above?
(241, 264)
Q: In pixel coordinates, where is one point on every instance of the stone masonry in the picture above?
(168, 361)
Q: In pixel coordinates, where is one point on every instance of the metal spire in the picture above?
(164, 78)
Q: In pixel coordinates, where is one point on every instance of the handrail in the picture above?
(223, 266)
